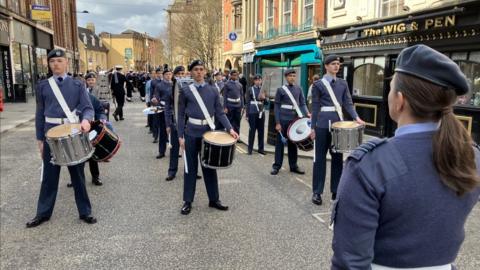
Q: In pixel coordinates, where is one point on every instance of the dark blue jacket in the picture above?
(163, 93)
(98, 108)
(233, 90)
(75, 96)
(252, 108)
(393, 210)
(281, 98)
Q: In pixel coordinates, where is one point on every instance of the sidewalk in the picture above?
(244, 127)
(16, 114)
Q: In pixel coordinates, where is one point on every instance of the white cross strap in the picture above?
(295, 105)
(334, 99)
(56, 91)
(202, 106)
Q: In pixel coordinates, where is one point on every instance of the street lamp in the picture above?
(83, 11)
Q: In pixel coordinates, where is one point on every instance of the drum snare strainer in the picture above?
(69, 145)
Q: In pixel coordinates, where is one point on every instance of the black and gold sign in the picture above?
(397, 28)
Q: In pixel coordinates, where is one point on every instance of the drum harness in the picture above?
(295, 106)
(260, 113)
(61, 100)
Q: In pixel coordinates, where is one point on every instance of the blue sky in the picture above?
(116, 16)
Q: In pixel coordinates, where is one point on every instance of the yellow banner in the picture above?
(41, 15)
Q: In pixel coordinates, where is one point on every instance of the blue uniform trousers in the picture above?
(256, 124)
(160, 132)
(279, 149)
(173, 165)
(234, 115)
(323, 141)
(49, 186)
(193, 147)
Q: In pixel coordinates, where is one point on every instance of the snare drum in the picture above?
(299, 133)
(69, 145)
(218, 150)
(106, 142)
(346, 136)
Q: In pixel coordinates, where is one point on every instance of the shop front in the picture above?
(22, 47)
(370, 52)
(271, 62)
(44, 43)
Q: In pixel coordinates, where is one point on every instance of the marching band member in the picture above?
(117, 85)
(192, 124)
(289, 104)
(159, 118)
(130, 77)
(403, 202)
(156, 123)
(233, 100)
(255, 98)
(49, 113)
(327, 104)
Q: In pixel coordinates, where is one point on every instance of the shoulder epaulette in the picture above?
(367, 147)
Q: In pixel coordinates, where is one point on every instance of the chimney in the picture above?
(91, 27)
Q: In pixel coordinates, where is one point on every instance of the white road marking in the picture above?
(303, 182)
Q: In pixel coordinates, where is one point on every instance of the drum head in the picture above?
(345, 124)
(218, 138)
(300, 129)
(63, 130)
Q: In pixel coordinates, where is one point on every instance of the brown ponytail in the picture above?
(453, 153)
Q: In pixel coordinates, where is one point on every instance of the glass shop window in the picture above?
(368, 76)
(471, 69)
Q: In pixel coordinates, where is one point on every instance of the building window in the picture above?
(287, 12)
(85, 39)
(14, 6)
(237, 13)
(269, 15)
(93, 40)
(3, 3)
(308, 14)
(391, 7)
(368, 76)
(471, 69)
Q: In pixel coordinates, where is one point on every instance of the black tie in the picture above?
(332, 83)
(60, 79)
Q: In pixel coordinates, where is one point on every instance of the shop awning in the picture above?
(290, 49)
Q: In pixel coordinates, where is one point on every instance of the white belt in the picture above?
(162, 102)
(440, 267)
(233, 100)
(57, 121)
(328, 109)
(199, 122)
(288, 107)
(255, 102)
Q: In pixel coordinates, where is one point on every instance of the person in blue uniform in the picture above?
(142, 82)
(219, 84)
(159, 95)
(324, 114)
(233, 100)
(255, 98)
(49, 114)
(156, 123)
(192, 124)
(129, 82)
(117, 85)
(285, 113)
(403, 202)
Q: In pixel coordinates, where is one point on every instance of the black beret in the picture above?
(257, 77)
(55, 53)
(90, 75)
(167, 70)
(428, 64)
(332, 58)
(158, 70)
(217, 73)
(233, 71)
(289, 71)
(178, 69)
(195, 63)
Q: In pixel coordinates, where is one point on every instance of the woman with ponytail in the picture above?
(403, 202)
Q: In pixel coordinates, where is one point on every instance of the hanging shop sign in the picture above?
(397, 28)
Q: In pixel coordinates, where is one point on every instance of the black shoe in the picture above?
(249, 153)
(115, 116)
(37, 221)
(170, 178)
(96, 181)
(334, 196)
(160, 156)
(274, 171)
(150, 132)
(186, 208)
(122, 118)
(155, 141)
(261, 152)
(88, 219)
(69, 185)
(147, 126)
(297, 170)
(218, 205)
(317, 199)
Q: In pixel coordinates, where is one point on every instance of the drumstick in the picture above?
(314, 152)
(41, 172)
(185, 160)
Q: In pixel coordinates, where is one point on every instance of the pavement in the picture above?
(16, 114)
(271, 223)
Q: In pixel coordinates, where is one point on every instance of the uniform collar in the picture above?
(199, 84)
(329, 78)
(416, 128)
(63, 76)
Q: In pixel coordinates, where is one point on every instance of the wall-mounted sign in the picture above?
(128, 53)
(41, 13)
(396, 28)
(7, 75)
(232, 36)
(339, 4)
